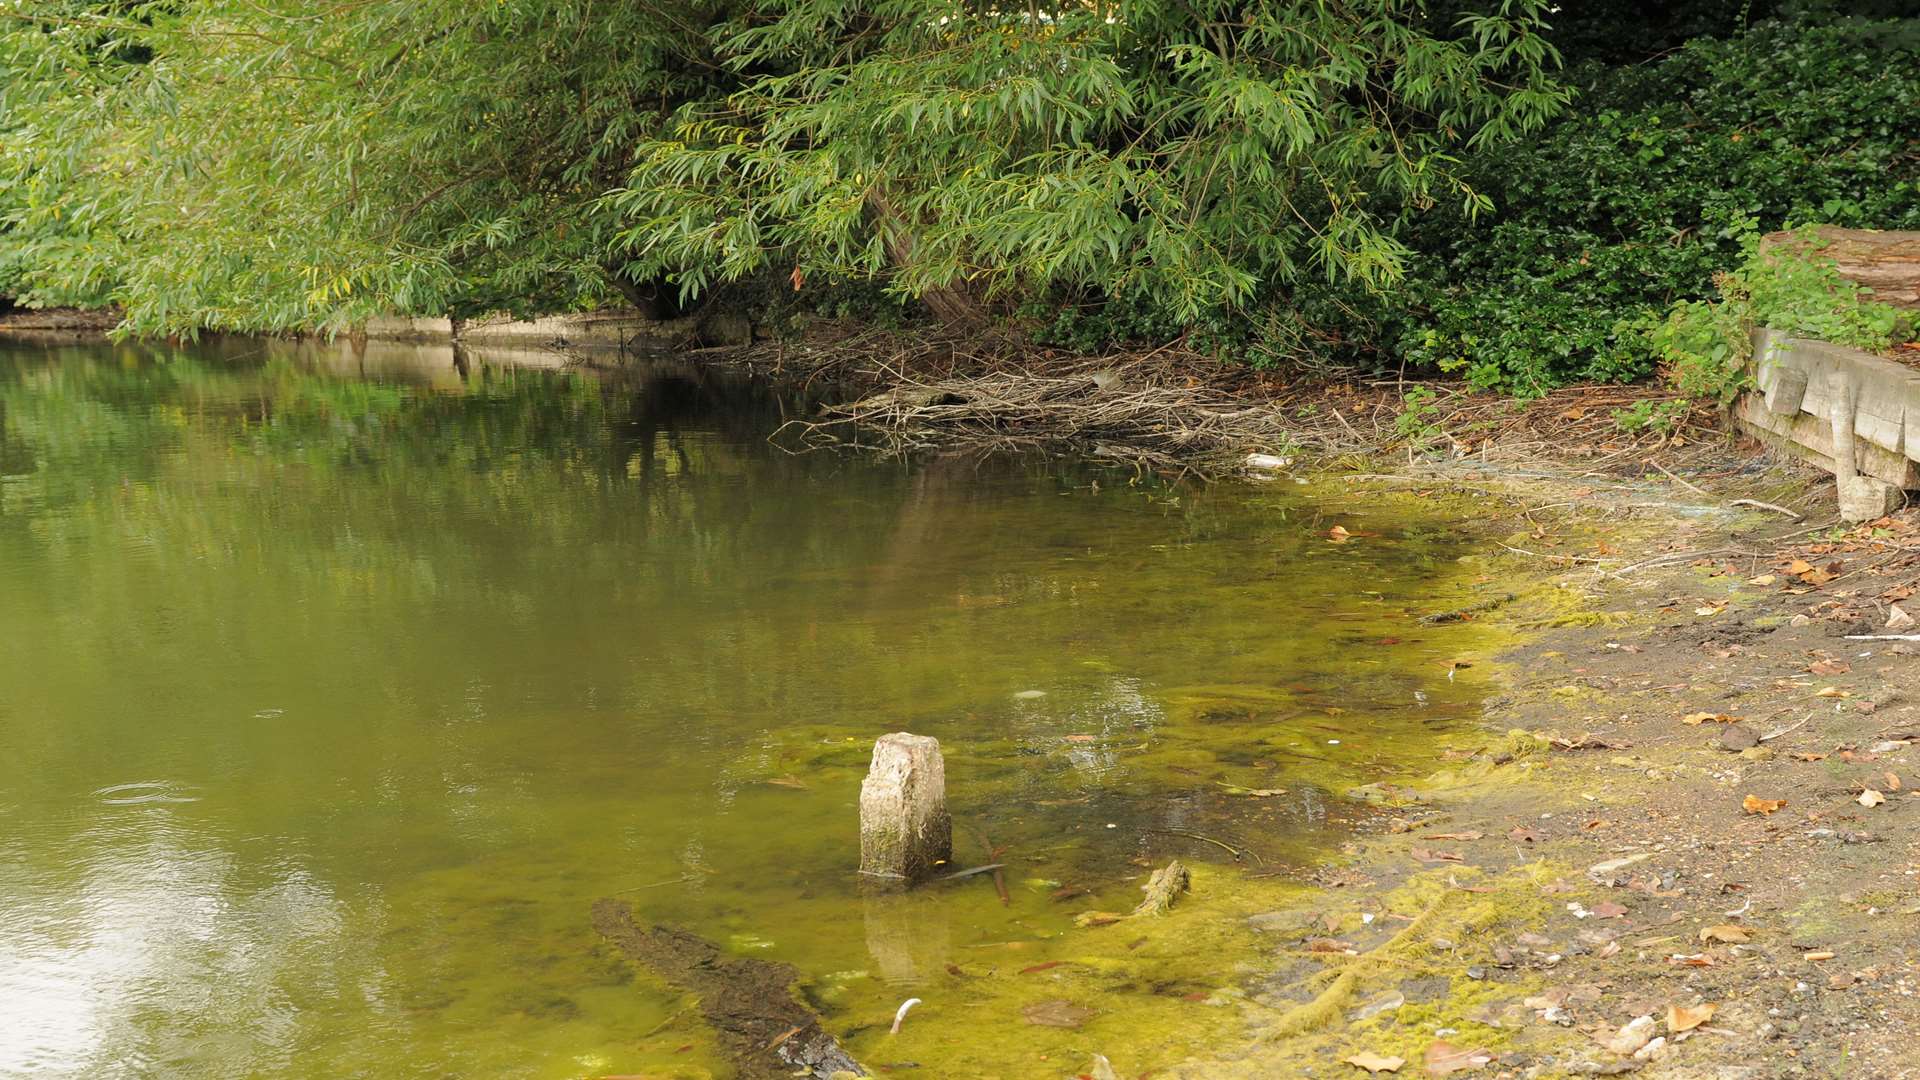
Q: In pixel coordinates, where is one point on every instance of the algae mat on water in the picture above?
(333, 696)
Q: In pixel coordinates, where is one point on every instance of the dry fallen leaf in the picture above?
(1893, 782)
(1871, 797)
(1374, 1063)
(1455, 836)
(1799, 566)
(1443, 1058)
(1829, 667)
(1726, 935)
(1430, 855)
(1339, 535)
(1815, 957)
(1754, 804)
(1686, 1019)
(1763, 579)
(1705, 717)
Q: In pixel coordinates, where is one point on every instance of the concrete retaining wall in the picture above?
(1802, 382)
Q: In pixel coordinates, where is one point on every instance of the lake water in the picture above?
(335, 690)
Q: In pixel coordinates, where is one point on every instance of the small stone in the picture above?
(1386, 1002)
(1862, 498)
(1898, 619)
(1635, 1034)
(1602, 873)
(1736, 738)
(1757, 753)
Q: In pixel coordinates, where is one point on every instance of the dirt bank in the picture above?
(1694, 802)
(64, 320)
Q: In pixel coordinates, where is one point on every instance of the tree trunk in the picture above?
(1886, 261)
(951, 303)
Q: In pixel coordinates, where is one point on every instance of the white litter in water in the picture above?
(900, 1016)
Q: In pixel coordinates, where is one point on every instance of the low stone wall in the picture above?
(613, 328)
(1846, 410)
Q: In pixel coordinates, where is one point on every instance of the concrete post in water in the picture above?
(905, 833)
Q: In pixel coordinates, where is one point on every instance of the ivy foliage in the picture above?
(1647, 190)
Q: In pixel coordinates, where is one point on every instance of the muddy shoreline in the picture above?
(1692, 802)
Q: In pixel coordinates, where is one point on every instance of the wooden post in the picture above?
(905, 833)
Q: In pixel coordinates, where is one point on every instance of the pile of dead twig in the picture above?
(1169, 405)
(1146, 407)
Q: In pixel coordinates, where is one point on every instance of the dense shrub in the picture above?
(1643, 192)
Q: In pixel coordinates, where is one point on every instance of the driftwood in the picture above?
(1163, 888)
(1468, 612)
(749, 1003)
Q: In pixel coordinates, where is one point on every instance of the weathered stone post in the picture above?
(905, 832)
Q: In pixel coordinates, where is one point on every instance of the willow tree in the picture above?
(1191, 154)
(269, 164)
(259, 164)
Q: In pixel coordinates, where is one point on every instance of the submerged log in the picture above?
(748, 1003)
(905, 831)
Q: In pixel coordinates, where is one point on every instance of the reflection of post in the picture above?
(907, 936)
(905, 832)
